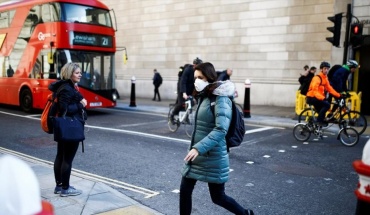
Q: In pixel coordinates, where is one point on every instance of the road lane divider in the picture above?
(258, 130)
(113, 130)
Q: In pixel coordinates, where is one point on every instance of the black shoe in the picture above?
(172, 119)
(159, 100)
(153, 99)
(248, 212)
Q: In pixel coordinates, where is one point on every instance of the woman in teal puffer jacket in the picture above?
(207, 159)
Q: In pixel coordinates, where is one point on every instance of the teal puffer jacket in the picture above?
(212, 163)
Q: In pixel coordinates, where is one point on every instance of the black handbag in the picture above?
(68, 129)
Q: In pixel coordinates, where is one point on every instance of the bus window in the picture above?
(6, 18)
(45, 13)
(86, 14)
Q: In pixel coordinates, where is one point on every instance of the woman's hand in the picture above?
(191, 155)
(83, 102)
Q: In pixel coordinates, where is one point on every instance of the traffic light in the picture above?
(337, 19)
(356, 37)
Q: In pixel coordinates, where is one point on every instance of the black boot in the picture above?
(248, 212)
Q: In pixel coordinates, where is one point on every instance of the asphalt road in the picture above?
(271, 172)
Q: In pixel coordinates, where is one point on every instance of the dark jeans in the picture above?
(335, 106)
(179, 105)
(321, 106)
(156, 92)
(63, 162)
(218, 196)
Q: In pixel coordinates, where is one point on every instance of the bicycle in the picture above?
(348, 136)
(186, 118)
(343, 113)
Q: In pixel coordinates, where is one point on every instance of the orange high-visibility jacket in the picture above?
(317, 87)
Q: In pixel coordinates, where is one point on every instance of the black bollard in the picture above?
(132, 98)
(247, 103)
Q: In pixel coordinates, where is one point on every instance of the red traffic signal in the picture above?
(356, 37)
(356, 29)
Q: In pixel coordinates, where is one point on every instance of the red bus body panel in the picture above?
(56, 32)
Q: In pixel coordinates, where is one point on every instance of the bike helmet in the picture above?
(197, 61)
(324, 64)
(352, 64)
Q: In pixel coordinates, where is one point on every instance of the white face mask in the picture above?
(200, 84)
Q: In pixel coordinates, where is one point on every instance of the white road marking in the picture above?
(258, 130)
(114, 130)
(148, 193)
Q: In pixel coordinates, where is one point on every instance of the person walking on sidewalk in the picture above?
(157, 81)
(207, 159)
(186, 88)
(316, 92)
(70, 102)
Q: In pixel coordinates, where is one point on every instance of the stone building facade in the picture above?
(265, 41)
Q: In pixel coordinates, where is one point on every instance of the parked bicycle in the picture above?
(353, 118)
(186, 117)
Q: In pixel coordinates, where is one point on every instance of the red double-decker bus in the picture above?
(37, 37)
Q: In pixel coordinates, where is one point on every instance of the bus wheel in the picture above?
(26, 100)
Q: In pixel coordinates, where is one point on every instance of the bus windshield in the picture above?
(95, 67)
(85, 14)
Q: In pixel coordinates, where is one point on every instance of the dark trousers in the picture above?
(156, 92)
(218, 196)
(63, 162)
(179, 104)
(335, 106)
(320, 106)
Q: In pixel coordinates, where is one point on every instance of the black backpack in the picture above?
(160, 80)
(235, 134)
(306, 85)
(332, 71)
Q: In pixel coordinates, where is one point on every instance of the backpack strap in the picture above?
(213, 104)
(320, 79)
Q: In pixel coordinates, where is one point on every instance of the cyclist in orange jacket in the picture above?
(316, 92)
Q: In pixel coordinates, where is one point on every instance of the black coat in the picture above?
(68, 99)
(187, 81)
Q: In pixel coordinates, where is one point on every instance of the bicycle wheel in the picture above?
(356, 120)
(189, 123)
(301, 132)
(173, 126)
(348, 136)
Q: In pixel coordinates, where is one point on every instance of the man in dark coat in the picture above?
(186, 87)
(224, 75)
(157, 81)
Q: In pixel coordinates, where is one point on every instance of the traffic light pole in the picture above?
(346, 39)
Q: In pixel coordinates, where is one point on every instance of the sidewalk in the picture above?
(98, 197)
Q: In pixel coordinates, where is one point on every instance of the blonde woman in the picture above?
(71, 103)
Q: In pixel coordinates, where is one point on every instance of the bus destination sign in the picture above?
(92, 40)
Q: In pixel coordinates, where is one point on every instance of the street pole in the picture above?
(346, 39)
